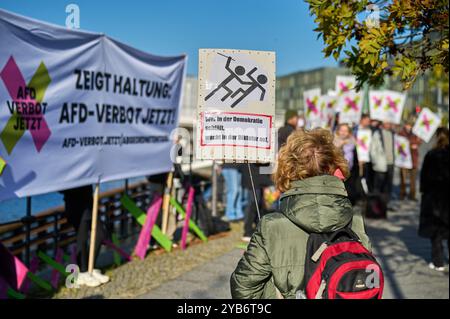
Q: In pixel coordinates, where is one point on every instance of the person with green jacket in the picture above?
(310, 174)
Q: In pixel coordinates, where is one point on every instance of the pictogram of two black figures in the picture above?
(247, 85)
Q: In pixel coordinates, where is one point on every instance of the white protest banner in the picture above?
(392, 106)
(402, 152)
(77, 107)
(350, 103)
(363, 141)
(344, 84)
(426, 125)
(236, 105)
(376, 105)
(327, 105)
(312, 108)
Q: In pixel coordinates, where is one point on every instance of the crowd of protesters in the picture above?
(365, 181)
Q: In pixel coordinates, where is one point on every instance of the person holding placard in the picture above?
(388, 145)
(414, 143)
(365, 167)
(345, 141)
(434, 208)
(310, 173)
(378, 159)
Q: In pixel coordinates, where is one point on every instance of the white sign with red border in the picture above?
(236, 105)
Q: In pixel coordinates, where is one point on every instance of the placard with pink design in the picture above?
(312, 108)
(327, 105)
(426, 125)
(392, 106)
(402, 152)
(363, 140)
(350, 106)
(376, 105)
(345, 83)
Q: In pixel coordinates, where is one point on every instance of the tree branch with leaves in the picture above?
(402, 38)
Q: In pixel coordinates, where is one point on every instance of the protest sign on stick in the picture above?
(392, 106)
(236, 105)
(376, 105)
(363, 140)
(350, 106)
(312, 109)
(328, 104)
(402, 152)
(426, 124)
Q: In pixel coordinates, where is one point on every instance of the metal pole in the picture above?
(214, 190)
(28, 232)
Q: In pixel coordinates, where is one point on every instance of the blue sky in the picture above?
(171, 27)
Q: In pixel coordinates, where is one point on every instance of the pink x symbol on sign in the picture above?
(27, 110)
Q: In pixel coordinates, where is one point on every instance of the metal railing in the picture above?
(50, 229)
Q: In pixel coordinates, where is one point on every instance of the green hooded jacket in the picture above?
(276, 252)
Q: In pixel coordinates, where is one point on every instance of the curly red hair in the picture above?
(307, 154)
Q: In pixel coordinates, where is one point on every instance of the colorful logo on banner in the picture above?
(377, 100)
(327, 107)
(362, 143)
(2, 165)
(311, 106)
(351, 103)
(26, 105)
(331, 106)
(426, 124)
(392, 104)
(401, 150)
(403, 157)
(344, 84)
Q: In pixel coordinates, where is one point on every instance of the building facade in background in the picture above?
(290, 88)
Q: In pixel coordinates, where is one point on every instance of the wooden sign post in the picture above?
(166, 202)
(93, 230)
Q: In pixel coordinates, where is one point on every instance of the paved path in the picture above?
(204, 270)
(208, 281)
(404, 257)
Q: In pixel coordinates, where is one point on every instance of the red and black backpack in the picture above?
(338, 266)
